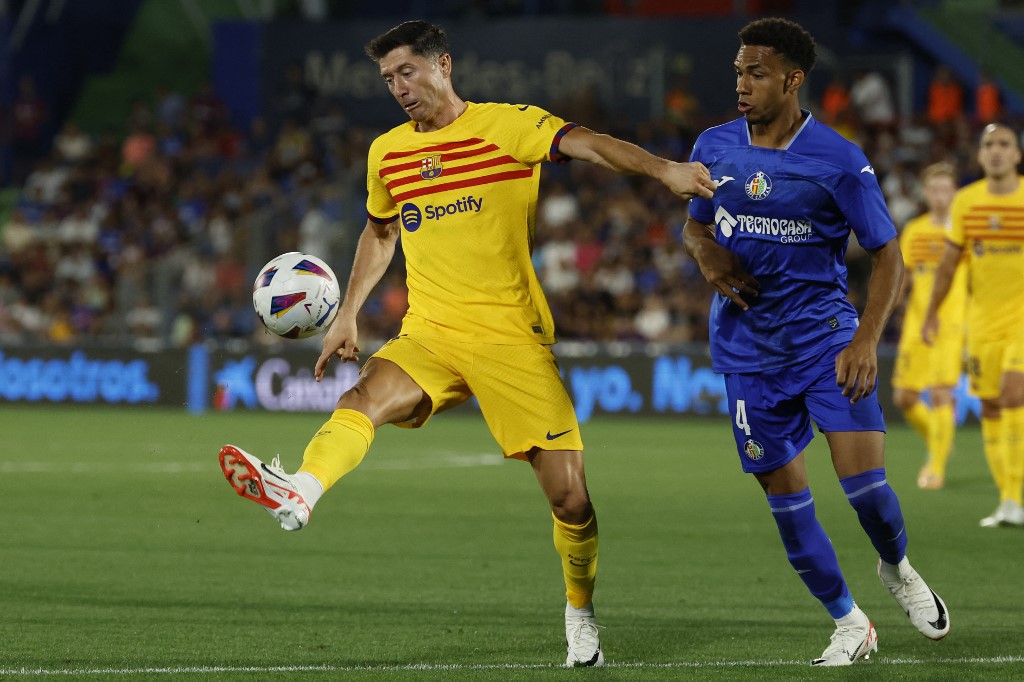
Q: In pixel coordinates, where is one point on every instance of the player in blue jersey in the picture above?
(772, 241)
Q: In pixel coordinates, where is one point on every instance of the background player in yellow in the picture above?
(459, 183)
(988, 230)
(937, 367)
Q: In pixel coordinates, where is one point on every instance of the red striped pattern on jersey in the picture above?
(445, 158)
(433, 148)
(1008, 223)
(926, 248)
(448, 171)
(404, 179)
(433, 188)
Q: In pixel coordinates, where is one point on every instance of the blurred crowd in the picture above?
(154, 237)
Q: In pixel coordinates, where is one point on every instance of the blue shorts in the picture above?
(772, 411)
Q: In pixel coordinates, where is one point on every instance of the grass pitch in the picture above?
(125, 555)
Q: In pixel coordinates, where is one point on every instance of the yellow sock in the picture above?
(1013, 454)
(992, 437)
(917, 416)
(338, 447)
(577, 545)
(940, 439)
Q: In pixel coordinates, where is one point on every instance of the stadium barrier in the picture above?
(602, 379)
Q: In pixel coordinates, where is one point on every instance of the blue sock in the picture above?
(879, 512)
(810, 551)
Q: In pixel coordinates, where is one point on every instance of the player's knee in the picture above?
(903, 400)
(572, 506)
(355, 398)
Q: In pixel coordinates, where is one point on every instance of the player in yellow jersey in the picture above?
(988, 230)
(934, 368)
(459, 183)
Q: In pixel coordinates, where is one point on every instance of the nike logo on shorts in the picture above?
(552, 436)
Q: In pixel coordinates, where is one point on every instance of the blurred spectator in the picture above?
(170, 107)
(295, 98)
(872, 99)
(315, 231)
(558, 206)
(71, 144)
(987, 102)
(835, 101)
(138, 148)
(681, 107)
(557, 256)
(945, 97)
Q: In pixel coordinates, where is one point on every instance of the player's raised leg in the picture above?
(561, 477)
(383, 394)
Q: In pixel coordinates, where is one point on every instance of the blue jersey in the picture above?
(787, 213)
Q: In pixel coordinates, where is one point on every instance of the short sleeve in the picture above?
(531, 134)
(860, 199)
(702, 210)
(380, 207)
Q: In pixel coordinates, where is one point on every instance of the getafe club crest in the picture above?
(758, 186)
(753, 449)
(430, 167)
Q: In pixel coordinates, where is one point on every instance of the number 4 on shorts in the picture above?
(741, 416)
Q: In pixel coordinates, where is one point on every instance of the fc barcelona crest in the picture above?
(430, 167)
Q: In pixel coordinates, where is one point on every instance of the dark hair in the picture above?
(786, 37)
(425, 40)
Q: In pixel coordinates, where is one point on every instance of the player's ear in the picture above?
(794, 79)
(445, 62)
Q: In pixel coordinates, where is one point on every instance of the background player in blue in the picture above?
(773, 242)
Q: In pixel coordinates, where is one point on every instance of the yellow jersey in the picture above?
(466, 197)
(990, 228)
(923, 242)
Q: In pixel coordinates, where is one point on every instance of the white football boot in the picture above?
(265, 484)
(1008, 513)
(853, 640)
(926, 609)
(582, 638)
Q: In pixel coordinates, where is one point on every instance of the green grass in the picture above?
(122, 548)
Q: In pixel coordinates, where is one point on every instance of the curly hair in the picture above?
(425, 40)
(786, 37)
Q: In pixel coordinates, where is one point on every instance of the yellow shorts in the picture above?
(987, 362)
(919, 366)
(519, 388)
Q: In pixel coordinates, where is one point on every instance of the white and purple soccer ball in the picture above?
(296, 295)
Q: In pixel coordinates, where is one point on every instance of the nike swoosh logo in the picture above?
(940, 622)
(552, 436)
(724, 179)
(524, 107)
(867, 169)
(803, 570)
(266, 469)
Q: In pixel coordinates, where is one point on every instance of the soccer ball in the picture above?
(296, 295)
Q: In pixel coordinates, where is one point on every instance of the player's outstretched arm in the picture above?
(373, 254)
(684, 179)
(720, 266)
(857, 364)
(940, 289)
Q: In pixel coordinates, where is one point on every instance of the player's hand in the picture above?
(857, 369)
(723, 270)
(339, 340)
(930, 330)
(689, 180)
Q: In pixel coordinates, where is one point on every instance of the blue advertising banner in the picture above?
(202, 379)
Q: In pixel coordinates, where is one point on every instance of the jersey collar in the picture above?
(808, 118)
